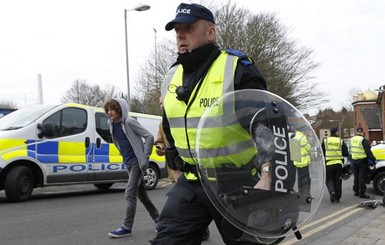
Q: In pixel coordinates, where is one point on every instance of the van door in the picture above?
(65, 151)
(107, 161)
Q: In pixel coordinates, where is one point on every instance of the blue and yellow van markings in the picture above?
(68, 156)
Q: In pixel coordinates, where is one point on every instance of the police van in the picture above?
(377, 172)
(47, 145)
(5, 111)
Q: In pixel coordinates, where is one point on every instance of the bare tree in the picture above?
(82, 93)
(285, 65)
(350, 98)
(110, 92)
(8, 105)
(147, 93)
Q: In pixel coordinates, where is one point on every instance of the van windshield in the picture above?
(22, 117)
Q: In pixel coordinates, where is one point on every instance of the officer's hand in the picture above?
(159, 150)
(371, 162)
(265, 182)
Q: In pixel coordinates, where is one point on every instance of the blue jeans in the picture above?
(135, 189)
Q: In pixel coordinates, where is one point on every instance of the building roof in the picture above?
(372, 117)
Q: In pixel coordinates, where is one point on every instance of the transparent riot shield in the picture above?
(242, 137)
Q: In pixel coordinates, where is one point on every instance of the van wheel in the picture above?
(378, 183)
(103, 186)
(19, 184)
(151, 178)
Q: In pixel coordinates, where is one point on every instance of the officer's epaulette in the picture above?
(243, 58)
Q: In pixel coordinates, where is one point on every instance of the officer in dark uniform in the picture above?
(360, 154)
(334, 149)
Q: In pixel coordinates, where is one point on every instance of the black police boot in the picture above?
(332, 197)
(364, 196)
(206, 234)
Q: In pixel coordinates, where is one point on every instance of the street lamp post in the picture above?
(141, 7)
(156, 58)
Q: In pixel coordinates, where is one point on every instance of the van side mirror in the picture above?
(45, 130)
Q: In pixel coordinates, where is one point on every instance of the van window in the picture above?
(23, 117)
(68, 121)
(102, 126)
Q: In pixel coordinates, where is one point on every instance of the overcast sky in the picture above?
(84, 39)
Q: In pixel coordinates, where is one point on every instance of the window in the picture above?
(68, 121)
(102, 127)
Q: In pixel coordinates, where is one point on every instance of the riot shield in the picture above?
(260, 163)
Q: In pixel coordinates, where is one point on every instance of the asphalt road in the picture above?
(81, 214)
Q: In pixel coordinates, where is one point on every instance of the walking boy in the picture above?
(128, 134)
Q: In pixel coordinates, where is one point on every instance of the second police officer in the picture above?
(361, 155)
(334, 149)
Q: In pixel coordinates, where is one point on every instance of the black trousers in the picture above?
(186, 214)
(333, 179)
(304, 181)
(360, 171)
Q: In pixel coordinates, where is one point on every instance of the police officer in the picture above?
(201, 74)
(360, 155)
(334, 150)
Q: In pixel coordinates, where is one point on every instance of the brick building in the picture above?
(369, 110)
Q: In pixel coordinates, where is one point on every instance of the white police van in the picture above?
(377, 173)
(46, 145)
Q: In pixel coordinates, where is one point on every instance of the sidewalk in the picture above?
(367, 229)
(370, 232)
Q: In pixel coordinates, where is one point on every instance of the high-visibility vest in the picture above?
(356, 149)
(333, 150)
(305, 149)
(223, 139)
